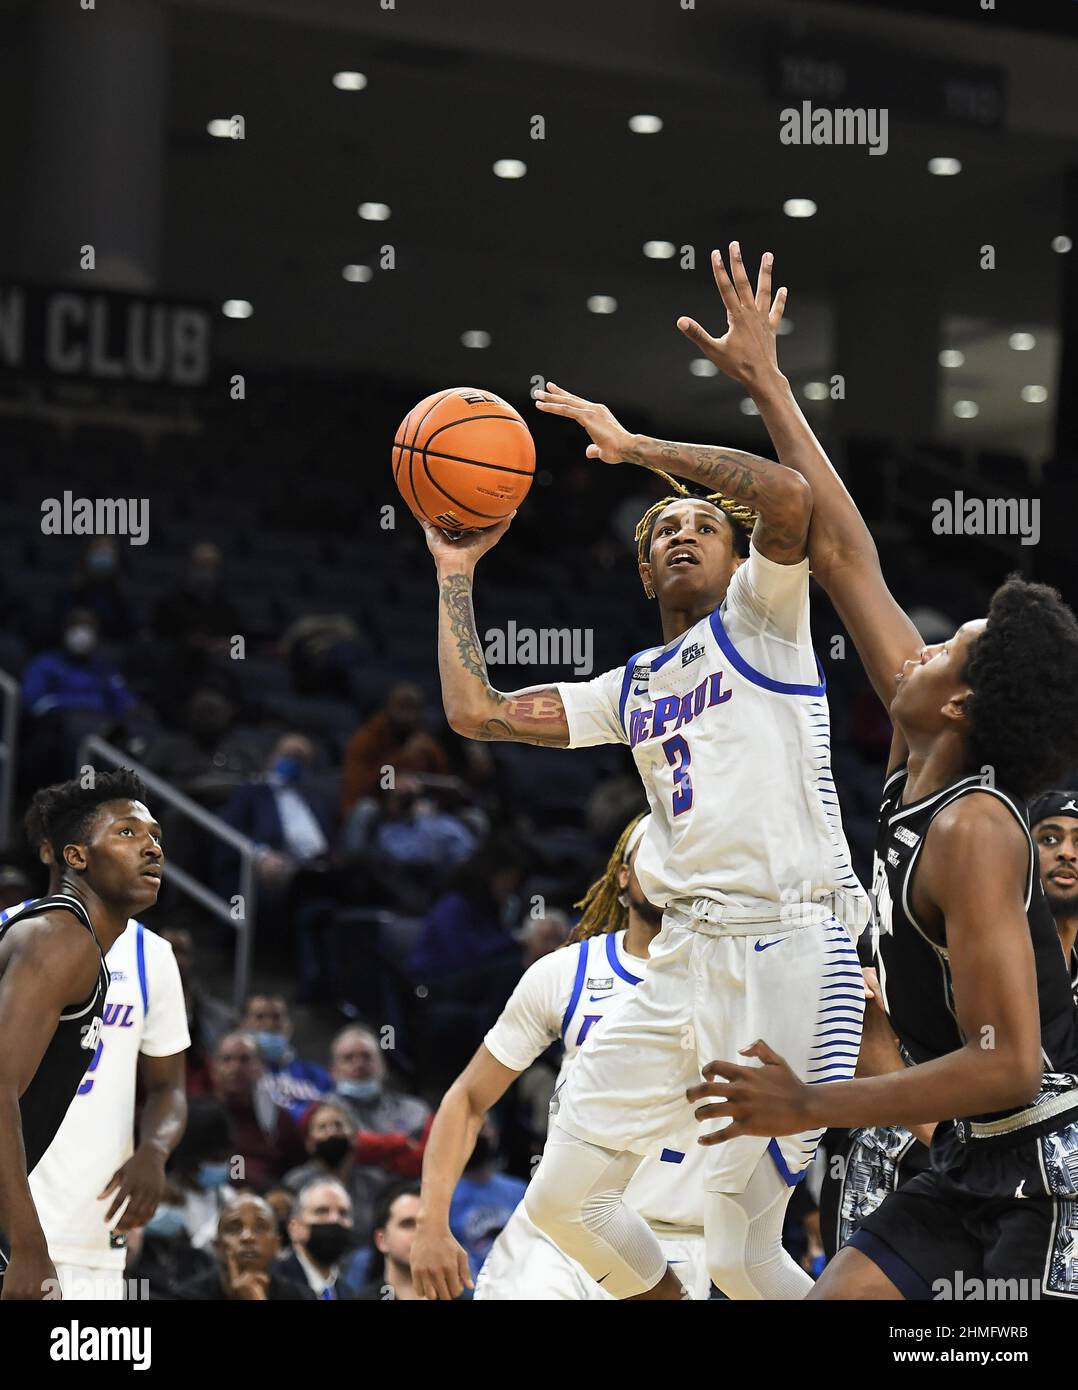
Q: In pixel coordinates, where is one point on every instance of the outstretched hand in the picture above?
(610, 443)
(746, 352)
(767, 1100)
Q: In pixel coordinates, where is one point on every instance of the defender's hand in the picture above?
(746, 352)
(609, 442)
(767, 1100)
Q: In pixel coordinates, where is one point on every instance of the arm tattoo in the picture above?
(521, 716)
(744, 477)
(457, 594)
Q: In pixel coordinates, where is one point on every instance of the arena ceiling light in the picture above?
(237, 308)
(1022, 342)
(945, 166)
(1061, 244)
(645, 125)
(357, 274)
(475, 338)
(602, 303)
(659, 250)
(951, 357)
(702, 366)
(799, 207)
(374, 212)
(1034, 395)
(966, 410)
(349, 81)
(510, 168)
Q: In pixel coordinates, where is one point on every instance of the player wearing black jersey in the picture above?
(53, 981)
(971, 971)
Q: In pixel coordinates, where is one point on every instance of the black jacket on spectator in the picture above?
(207, 1288)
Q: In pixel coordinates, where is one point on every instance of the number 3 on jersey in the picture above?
(679, 758)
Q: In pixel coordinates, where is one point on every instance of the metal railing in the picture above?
(9, 734)
(93, 751)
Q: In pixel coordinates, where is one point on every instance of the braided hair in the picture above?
(742, 518)
(601, 912)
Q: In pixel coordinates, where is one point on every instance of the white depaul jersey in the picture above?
(729, 729)
(144, 1012)
(566, 995)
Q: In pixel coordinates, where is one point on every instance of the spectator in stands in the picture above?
(394, 1235)
(199, 1173)
(282, 816)
(393, 737)
(402, 831)
(470, 926)
(100, 588)
(246, 1248)
(199, 614)
(203, 757)
(484, 1199)
(399, 1121)
(321, 1233)
(261, 1133)
(208, 1018)
(292, 1082)
(538, 936)
(329, 1133)
(74, 677)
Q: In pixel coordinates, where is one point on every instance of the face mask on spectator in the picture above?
(328, 1240)
(287, 770)
(80, 639)
(272, 1046)
(166, 1222)
(101, 562)
(333, 1150)
(368, 1089)
(211, 1175)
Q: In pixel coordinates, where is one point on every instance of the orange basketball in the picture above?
(463, 459)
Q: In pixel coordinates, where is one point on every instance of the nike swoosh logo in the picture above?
(593, 997)
(640, 690)
(767, 944)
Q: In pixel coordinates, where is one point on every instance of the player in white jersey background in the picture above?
(93, 1184)
(727, 722)
(567, 994)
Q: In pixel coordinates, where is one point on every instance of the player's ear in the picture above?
(75, 857)
(645, 576)
(955, 708)
(623, 877)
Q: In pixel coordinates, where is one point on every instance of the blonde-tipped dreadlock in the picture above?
(601, 912)
(739, 514)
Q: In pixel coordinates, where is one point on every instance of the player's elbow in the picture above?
(1020, 1077)
(792, 504)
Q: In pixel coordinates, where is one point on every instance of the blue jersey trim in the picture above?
(661, 661)
(626, 682)
(790, 1179)
(906, 1280)
(578, 985)
(140, 954)
(738, 662)
(612, 957)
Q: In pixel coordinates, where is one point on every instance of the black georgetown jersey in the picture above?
(71, 1048)
(915, 972)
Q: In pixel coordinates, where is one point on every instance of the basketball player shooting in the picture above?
(969, 960)
(53, 981)
(727, 722)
